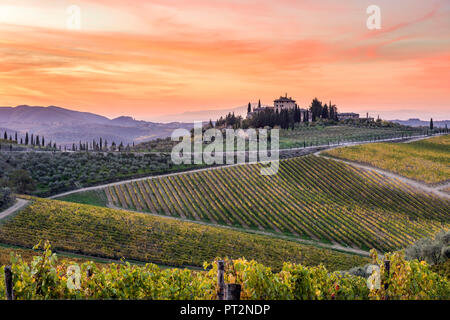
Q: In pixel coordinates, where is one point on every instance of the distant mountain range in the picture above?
(65, 126)
(421, 123)
(203, 115)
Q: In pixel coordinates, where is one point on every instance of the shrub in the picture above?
(433, 251)
(6, 198)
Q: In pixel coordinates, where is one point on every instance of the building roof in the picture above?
(284, 99)
(263, 108)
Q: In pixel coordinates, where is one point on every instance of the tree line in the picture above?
(28, 140)
(101, 145)
(39, 141)
(285, 119)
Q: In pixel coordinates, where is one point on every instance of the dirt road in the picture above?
(20, 203)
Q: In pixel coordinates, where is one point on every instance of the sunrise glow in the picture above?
(164, 57)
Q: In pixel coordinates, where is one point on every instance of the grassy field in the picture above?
(424, 160)
(310, 198)
(117, 234)
(93, 197)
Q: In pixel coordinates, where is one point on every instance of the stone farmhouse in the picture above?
(278, 105)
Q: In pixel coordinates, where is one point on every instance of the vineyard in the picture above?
(116, 234)
(323, 135)
(311, 135)
(48, 278)
(310, 197)
(424, 160)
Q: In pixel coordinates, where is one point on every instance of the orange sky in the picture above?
(165, 56)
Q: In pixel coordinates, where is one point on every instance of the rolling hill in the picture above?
(65, 126)
(117, 234)
(311, 198)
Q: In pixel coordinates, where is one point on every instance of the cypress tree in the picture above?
(316, 109)
(306, 116)
(325, 112)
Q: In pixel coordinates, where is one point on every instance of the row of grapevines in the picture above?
(117, 234)
(310, 197)
(47, 278)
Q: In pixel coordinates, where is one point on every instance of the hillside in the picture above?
(63, 171)
(114, 234)
(332, 134)
(310, 197)
(424, 160)
(422, 123)
(65, 126)
(311, 135)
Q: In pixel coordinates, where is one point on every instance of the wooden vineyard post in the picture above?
(387, 270)
(9, 283)
(220, 280)
(233, 292)
(226, 291)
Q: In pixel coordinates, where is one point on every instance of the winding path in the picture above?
(417, 185)
(437, 190)
(20, 203)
